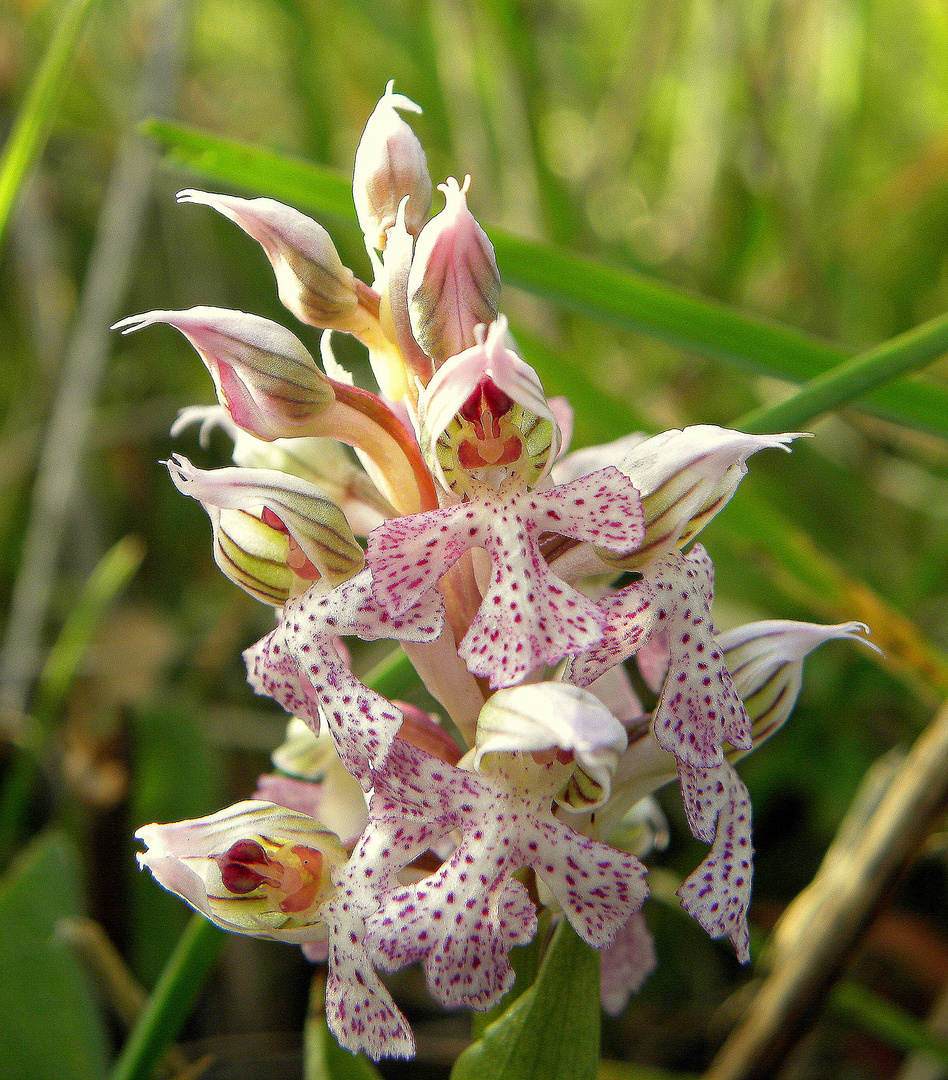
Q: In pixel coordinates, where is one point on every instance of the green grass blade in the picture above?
(854, 378)
(254, 168)
(36, 115)
(579, 284)
(888, 1022)
(171, 1001)
(111, 575)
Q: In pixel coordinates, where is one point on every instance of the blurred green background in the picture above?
(789, 159)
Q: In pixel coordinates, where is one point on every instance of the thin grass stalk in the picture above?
(36, 116)
(171, 1001)
(848, 382)
(791, 995)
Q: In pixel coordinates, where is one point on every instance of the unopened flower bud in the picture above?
(311, 279)
(390, 164)
(263, 374)
(685, 477)
(314, 523)
(257, 868)
(454, 283)
(253, 554)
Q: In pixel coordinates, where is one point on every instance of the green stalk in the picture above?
(35, 118)
(849, 381)
(171, 1000)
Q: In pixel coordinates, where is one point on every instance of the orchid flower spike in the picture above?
(559, 612)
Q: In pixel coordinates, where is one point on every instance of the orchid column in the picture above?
(520, 580)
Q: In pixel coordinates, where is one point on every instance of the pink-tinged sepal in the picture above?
(685, 478)
(626, 964)
(324, 544)
(454, 284)
(390, 166)
(299, 665)
(717, 894)
(256, 868)
(264, 376)
(766, 663)
(560, 720)
(484, 418)
(311, 279)
(699, 709)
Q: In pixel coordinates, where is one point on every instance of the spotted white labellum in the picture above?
(264, 376)
(685, 477)
(390, 164)
(311, 279)
(561, 718)
(255, 867)
(454, 283)
(314, 523)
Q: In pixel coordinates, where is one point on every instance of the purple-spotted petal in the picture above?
(629, 615)
(505, 823)
(717, 894)
(528, 617)
(462, 936)
(299, 666)
(626, 964)
(699, 708)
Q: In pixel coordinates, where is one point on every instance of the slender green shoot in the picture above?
(35, 118)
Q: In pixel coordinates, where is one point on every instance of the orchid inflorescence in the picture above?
(519, 579)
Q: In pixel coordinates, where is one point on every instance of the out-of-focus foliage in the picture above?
(789, 159)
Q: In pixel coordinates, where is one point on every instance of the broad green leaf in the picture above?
(577, 283)
(551, 1032)
(35, 118)
(51, 1026)
(525, 961)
